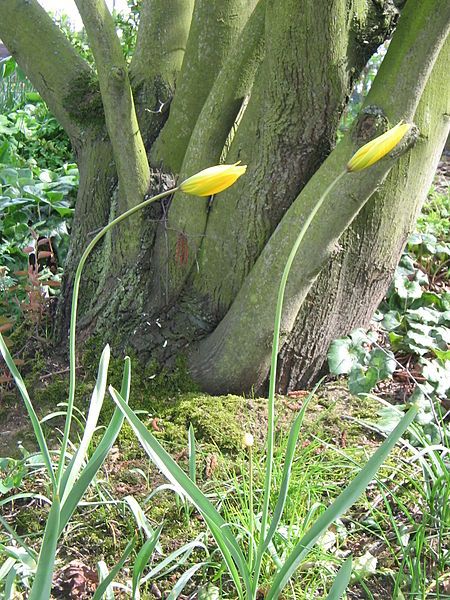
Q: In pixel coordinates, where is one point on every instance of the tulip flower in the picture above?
(374, 150)
(212, 180)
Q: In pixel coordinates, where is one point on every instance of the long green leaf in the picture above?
(178, 477)
(141, 562)
(103, 573)
(100, 453)
(10, 588)
(339, 506)
(98, 395)
(341, 581)
(6, 567)
(141, 520)
(42, 584)
(30, 409)
(103, 586)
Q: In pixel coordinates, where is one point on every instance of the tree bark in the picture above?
(358, 275)
(311, 59)
(157, 59)
(229, 356)
(214, 29)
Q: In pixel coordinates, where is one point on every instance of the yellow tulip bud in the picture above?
(212, 180)
(247, 440)
(374, 150)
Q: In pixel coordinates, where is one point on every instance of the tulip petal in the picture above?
(212, 180)
(377, 148)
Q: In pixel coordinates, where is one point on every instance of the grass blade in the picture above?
(192, 452)
(141, 562)
(98, 457)
(98, 395)
(106, 582)
(42, 584)
(341, 581)
(184, 579)
(30, 409)
(178, 477)
(19, 541)
(141, 520)
(340, 505)
(175, 559)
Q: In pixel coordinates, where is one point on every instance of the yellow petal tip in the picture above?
(376, 149)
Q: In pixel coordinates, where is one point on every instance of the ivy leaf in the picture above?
(438, 374)
(362, 381)
(340, 359)
(384, 362)
(424, 315)
(407, 290)
(391, 320)
(442, 355)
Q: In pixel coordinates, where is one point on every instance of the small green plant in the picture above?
(14, 86)
(413, 321)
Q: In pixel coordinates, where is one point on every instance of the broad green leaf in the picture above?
(98, 395)
(340, 359)
(89, 472)
(209, 592)
(341, 581)
(362, 380)
(406, 289)
(391, 320)
(438, 374)
(383, 361)
(342, 503)
(442, 355)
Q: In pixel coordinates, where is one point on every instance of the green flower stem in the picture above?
(73, 321)
(250, 509)
(273, 374)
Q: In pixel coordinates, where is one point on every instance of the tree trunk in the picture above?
(264, 82)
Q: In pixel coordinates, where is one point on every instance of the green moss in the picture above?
(84, 101)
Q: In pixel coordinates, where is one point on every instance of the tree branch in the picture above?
(230, 358)
(157, 59)
(121, 122)
(214, 29)
(287, 131)
(208, 140)
(46, 56)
